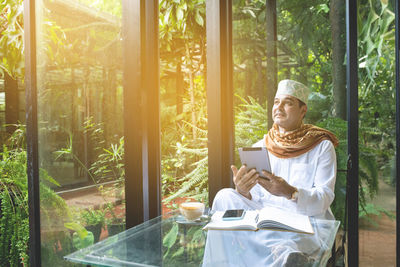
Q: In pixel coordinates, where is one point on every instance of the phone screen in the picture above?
(233, 214)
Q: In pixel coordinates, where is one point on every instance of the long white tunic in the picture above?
(313, 174)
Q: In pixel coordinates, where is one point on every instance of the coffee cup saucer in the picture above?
(205, 218)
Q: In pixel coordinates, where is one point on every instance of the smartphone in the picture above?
(230, 215)
(255, 158)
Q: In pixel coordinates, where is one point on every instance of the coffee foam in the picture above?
(192, 205)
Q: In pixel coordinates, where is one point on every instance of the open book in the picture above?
(267, 218)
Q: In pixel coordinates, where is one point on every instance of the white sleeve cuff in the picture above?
(302, 201)
(256, 194)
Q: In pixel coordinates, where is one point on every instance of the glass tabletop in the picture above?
(170, 240)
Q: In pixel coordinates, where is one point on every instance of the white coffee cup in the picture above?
(191, 210)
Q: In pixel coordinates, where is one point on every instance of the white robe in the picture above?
(313, 174)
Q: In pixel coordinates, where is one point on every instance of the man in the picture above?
(303, 165)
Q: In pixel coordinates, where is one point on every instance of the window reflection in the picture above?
(79, 66)
(376, 49)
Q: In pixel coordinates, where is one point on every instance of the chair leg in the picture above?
(332, 260)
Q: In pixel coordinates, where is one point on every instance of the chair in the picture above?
(338, 250)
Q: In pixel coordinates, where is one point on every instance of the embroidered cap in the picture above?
(293, 88)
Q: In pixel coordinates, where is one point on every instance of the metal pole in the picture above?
(141, 111)
(352, 131)
(32, 133)
(219, 95)
(397, 46)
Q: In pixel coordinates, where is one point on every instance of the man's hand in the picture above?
(276, 185)
(244, 180)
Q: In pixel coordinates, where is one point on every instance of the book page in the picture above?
(248, 222)
(272, 217)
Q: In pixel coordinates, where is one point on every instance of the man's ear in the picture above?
(304, 110)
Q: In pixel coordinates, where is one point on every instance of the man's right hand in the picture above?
(244, 180)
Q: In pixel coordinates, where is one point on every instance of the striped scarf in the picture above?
(294, 143)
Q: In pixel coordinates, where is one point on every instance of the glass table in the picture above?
(169, 240)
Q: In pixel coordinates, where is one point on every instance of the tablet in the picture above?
(255, 158)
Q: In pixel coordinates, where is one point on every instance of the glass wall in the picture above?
(307, 39)
(377, 139)
(310, 47)
(81, 152)
(79, 70)
(249, 72)
(183, 102)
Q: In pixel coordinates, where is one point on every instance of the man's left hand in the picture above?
(276, 185)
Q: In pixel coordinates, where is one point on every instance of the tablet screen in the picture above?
(255, 158)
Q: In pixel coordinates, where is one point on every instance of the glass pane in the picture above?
(249, 72)
(183, 102)
(377, 140)
(303, 53)
(79, 70)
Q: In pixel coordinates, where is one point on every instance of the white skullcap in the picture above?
(293, 88)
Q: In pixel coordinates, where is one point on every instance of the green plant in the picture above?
(110, 164)
(250, 122)
(108, 161)
(11, 38)
(181, 244)
(368, 170)
(81, 238)
(389, 171)
(93, 217)
(371, 209)
(114, 221)
(14, 219)
(112, 216)
(16, 141)
(68, 151)
(194, 184)
(14, 222)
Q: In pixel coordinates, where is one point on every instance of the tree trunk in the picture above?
(12, 102)
(106, 115)
(179, 88)
(192, 93)
(193, 104)
(336, 17)
(271, 50)
(248, 78)
(260, 82)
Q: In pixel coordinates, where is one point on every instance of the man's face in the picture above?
(287, 112)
